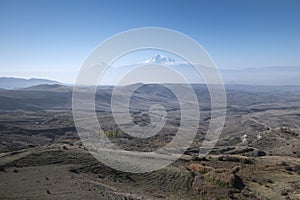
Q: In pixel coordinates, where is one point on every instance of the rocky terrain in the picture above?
(256, 157)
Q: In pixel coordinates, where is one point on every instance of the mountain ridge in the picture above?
(17, 83)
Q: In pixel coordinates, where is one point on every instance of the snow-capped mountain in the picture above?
(254, 76)
(159, 59)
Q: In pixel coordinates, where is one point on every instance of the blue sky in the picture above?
(51, 39)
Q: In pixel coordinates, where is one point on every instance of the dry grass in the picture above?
(198, 168)
(221, 177)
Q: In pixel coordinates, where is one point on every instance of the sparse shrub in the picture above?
(236, 158)
(283, 163)
(288, 168)
(268, 180)
(261, 153)
(284, 193)
(249, 194)
(297, 169)
(2, 168)
(254, 180)
(222, 178)
(235, 170)
(197, 158)
(159, 196)
(112, 133)
(74, 171)
(288, 130)
(283, 129)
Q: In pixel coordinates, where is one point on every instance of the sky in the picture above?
(52, 38)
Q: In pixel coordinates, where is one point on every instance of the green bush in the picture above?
(112, 133)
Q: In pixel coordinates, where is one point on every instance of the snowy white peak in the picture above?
(159, 59)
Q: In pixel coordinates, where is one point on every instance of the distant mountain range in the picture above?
(277, 75)
(269, 76)
(16, 83)
(58, 97)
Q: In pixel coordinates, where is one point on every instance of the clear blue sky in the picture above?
(51, 38)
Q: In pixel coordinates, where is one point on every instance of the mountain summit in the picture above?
(159, 59)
